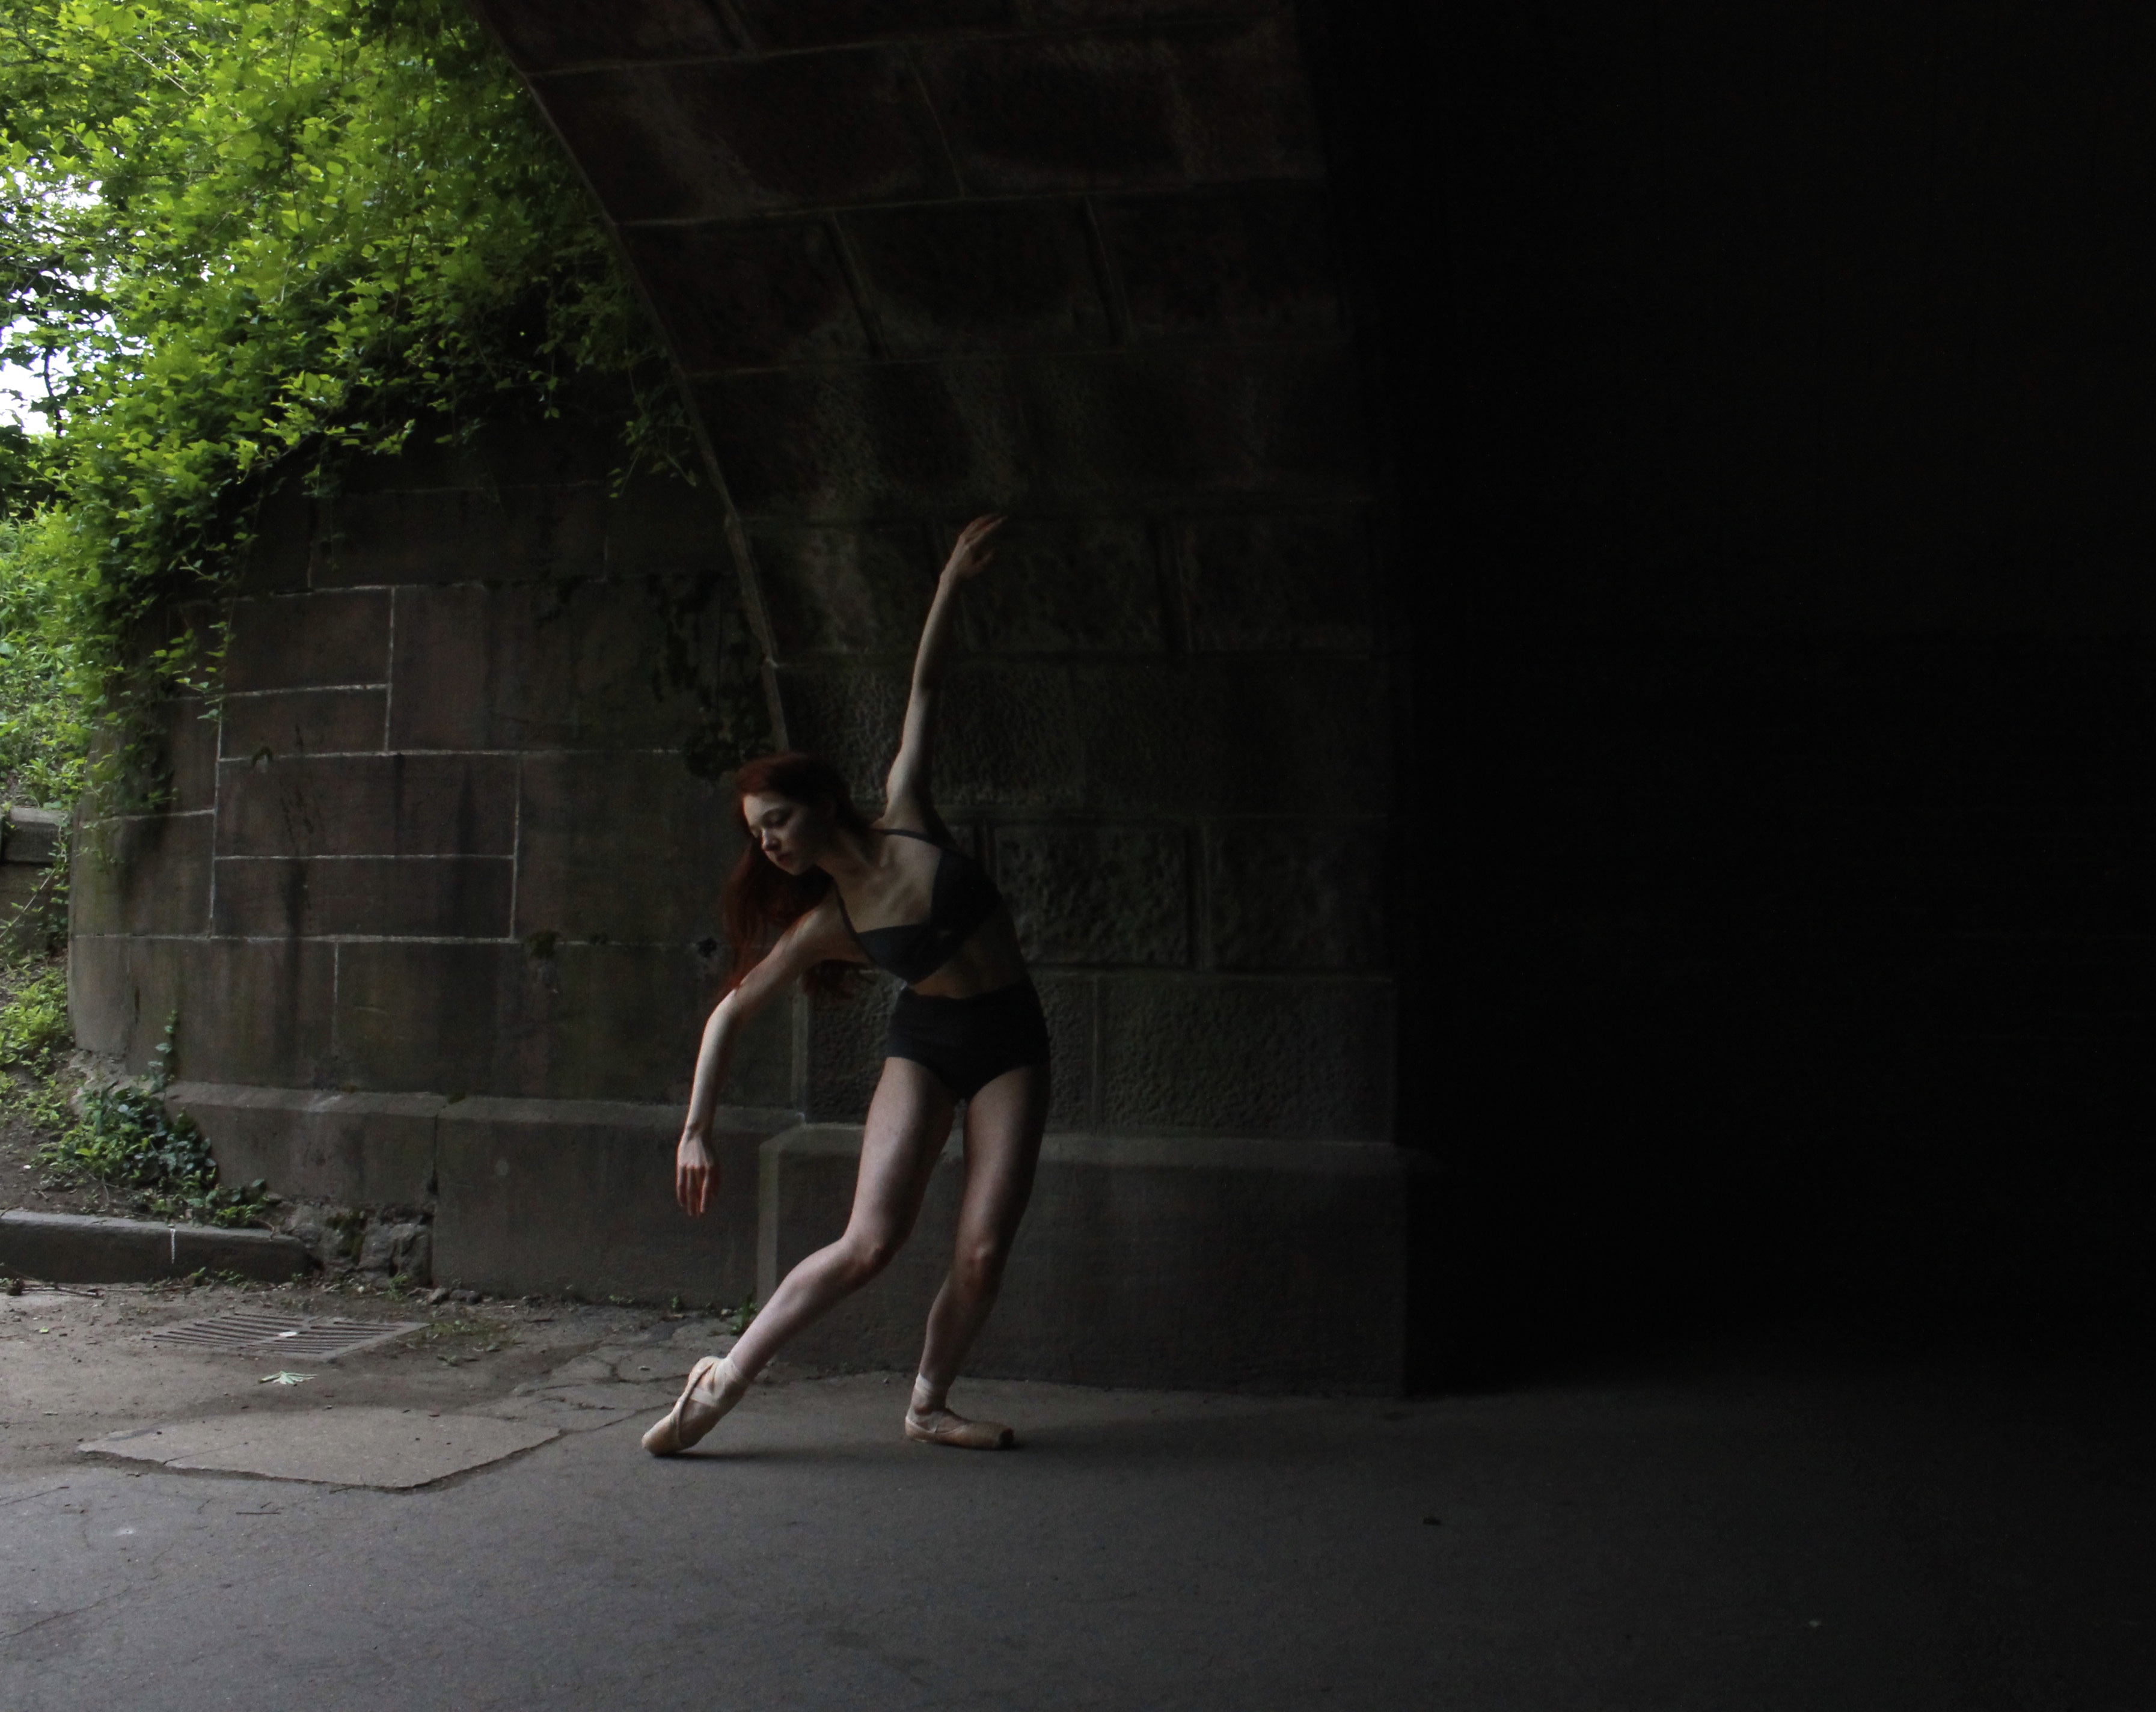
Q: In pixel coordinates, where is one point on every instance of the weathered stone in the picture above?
(276, 560)
(299, 721)
(1279, 582)
(1218, 104)
(1224, 1264)
(579, 1194)
(851, 716)
(33, 908)
(250, 1010)
(1040, 431)
(112, 979)
(833, 444)
(31, 836)
(995, 276)
(1098, 894)
(437, 896)
(709, 141)
(1070, 1002)
(1068, 586)
(573, 1021)
(144, 874)
(660, 525)
(483, 668)
(332, 1235)
(844, 590)
(554, 34)
(188, 738)
(652, 655)
(1278, 420)
(1234, 736)
(440, 535)
(1254, 262)
(746, 296)
(625, 847)
(556, 533)
(531, 666)
(453, 1018)
(303, 640)
(310, 1144)
(1252, 1057)
(368, 805)
(402, 1247)
(1296, 896)
(778, 24)
(517, 455)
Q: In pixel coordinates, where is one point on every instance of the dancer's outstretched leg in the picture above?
(1003, 1123)
(908, 1122)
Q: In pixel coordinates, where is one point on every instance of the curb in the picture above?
(71, 1247)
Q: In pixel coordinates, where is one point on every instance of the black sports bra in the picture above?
(964, 898)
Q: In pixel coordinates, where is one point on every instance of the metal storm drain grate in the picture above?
(285, 1335)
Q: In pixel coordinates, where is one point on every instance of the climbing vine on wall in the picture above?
(239, 239)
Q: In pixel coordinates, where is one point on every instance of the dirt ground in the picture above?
(25, 1183)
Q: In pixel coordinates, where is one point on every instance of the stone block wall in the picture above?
(438, 834)
(1082, 270)
(439, 839)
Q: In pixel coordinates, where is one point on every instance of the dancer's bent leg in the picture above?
(908, 1122)
(1003, 1122)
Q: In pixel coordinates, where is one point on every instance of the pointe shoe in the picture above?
(704, 1400)
(957, 1432)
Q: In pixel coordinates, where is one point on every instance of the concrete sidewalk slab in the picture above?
(392, 1449)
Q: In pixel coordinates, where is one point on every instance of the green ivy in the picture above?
(45, 712)
(241, 239)
(127, 1138)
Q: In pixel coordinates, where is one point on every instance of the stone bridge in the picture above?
(436, 897)
(1578, 608)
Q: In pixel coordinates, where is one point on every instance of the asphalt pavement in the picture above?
(1824, 1520)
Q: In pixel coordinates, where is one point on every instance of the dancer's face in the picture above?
(791, 834)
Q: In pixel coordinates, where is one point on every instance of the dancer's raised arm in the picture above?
(906, 791)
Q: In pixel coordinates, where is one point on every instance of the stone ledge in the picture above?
(1160, 1261)
(31, 836)
(312, 1143)
(578, 1194)
(68, 1248)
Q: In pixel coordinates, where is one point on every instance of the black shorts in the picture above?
(970, 1042)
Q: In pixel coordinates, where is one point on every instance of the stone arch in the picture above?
(435, 895)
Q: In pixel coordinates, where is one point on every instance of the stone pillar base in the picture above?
(527, 1195)
(1162, 1262)
(1179, 1261)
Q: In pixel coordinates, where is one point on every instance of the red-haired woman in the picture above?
(820, 884)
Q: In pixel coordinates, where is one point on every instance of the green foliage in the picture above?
(33, 1020)
(242, 237)
(127, 1139)
(45, 692)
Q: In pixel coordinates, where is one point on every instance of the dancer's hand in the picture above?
(970, 556)
(695, 1174)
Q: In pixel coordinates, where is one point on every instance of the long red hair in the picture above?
(761, 899)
